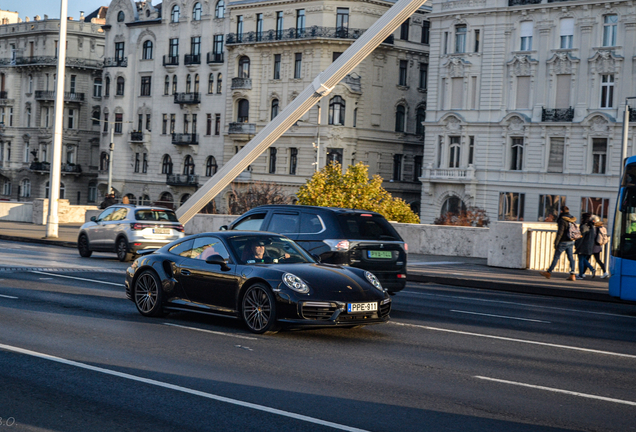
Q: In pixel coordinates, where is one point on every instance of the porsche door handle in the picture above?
(185, 272)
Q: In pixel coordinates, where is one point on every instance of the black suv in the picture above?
(356, 238)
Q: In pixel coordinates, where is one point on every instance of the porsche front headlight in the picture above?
(295, 283)
(373, 280)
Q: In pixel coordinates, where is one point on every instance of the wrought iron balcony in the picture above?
(116, 62)
(187, 98)
(50, 95)
(215, 57)
(557, 115)
(182, 179)
(185, 139)
(52, 61)
(40, 166)
(242, 128)
(523, 2)
(137, 136)
(192, 59)
(3, 95)
(632, 115)
(71, 168)
(242, 83)
(312, 32)
(169, 60)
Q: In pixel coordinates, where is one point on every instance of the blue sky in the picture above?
(51, 8)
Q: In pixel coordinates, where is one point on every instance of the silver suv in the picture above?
(126, 229)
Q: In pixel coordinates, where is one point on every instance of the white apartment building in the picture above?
(28, 61)
(525, 106)
(187, 84)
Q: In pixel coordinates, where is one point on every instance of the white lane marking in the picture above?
(45, 278)
(500, 316)
(211, 331)
(218, 398)
(9, 297)
(517, 304)
(77, 278)
(515, 340)
(555, 390)
(425, 263)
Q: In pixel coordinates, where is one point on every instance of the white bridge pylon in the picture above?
(320, 87)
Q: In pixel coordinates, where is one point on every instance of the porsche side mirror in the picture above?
(223, 228)
(218, 260)
(93, 218)
(316, 257)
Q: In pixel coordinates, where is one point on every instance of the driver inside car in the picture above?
(254, 252)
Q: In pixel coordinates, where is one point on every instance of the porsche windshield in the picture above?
(267, 250)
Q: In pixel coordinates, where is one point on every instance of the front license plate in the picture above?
(362, 307)
(380, 254)
(160, 231)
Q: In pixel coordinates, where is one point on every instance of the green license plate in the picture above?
(380, 254)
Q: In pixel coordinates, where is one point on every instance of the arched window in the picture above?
(120, 86)
(107, 87)
(219, 83)
(147, 50)
(174, 84)
(166, 165)
(244, 67)
(219, 10)
(196, 12)
(103, 161)
(211, 84)
(25, 188)
(166, 200)
(183, 199)
(453, 204)
(210, 166)
(121, 16)
(62, 190)
(400, 116)
(144, 200)
(174, 16)
(188, 165)
(166, 85)
(420, 117)
(196, 83)
(454, 152)
(336, 111)
(274, 108)
(243, 111)
(188, 83)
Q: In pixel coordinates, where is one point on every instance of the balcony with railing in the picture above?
(182, 180)
(52, 61)
(187, 98)
(192, 59)
(116, 62)
(557, 115)
(136, 136)
(185, 139)
(523, 2)
(71, 168)
(241, 84)
(215, 57)
(169, 60)
(449, 175)
(40, 166)
(49, 95)
(312, 32)
(242, 128)
(3, 95)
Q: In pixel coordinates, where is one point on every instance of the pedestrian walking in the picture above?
(585, 245)
(600, 240)
(564, 242)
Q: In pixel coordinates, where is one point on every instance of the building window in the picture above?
(121, 16)
(272, 160)
(243, 111)
(477, 34)
(555, 163)
(610, 23)
(195, 46)
(6, 188)
(28, 117)
(274, 108)
(244, 67)
(454, 152)
(599, 155)
(103, 161)
(607, 91)
(194, 123)
(403, 69)
(107, 87)
(334, 155)
(30, 82)
(277, 66)
(423, 75)
(420, 118)
(336, 111)
(92, 192)
(97, 87)
(298, 64)
(239, 28)
(293, 160)
(210, 166)
(566, 33)
(137, 161)
(342, 22)
(164, 124)
(208, 124)
(211, 83)
(397, 167)
(119, 119)
(147, 51)
(526, 35)
(219, 83)
(596, 206)
(511, 206)
(426, 31)
(119, 51)
(516, 154)
(446, 35)
(219, 9)
(173, 120)
(279, 25)
(174, 84)
(417, 168)
(196, 83)
(355, 118)
(148, 124)
(259, 27)
(550, 207)
(26, 148)
(71, 118)
(471, 150)
(217, 47)
(144, 166)
(120, 86)
(188, 83)
(173, 48)
(73, 83)
(166, 85)
(106, 122)
(460, 38)
(217, 124)
(196, 12)
(404, 29)
(188, 165)
(400, 118)
(145, 86)
(140, 123)
(186, 123)
(300, 23)
(174, 16)
(166, 165)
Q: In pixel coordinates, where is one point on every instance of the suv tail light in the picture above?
(338, 245)
(406, 247)
(178, 228)
(140, 226)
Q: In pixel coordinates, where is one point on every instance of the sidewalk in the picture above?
(455, 271)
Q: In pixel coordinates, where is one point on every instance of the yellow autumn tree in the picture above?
(354, 190)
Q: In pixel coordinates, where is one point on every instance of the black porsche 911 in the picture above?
(265, 279)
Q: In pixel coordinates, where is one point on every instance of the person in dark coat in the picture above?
(108, 201)
(585, 245)
(598, 224)
(563, 243)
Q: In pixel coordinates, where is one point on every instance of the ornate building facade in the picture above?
(28, 60)
(526, 101)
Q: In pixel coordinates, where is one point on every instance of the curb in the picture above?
(63, 243)
(517, 288)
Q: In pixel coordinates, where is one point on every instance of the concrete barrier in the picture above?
(67, 213)
(11, 211)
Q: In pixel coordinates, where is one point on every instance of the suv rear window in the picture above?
(355, 226)
(156, 215)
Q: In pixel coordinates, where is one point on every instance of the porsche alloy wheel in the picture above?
(259, 310)
(148, 294)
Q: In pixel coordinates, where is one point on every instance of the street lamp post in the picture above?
(111, 149)
(317, 143)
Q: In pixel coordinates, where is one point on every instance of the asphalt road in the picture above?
(76, 356)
